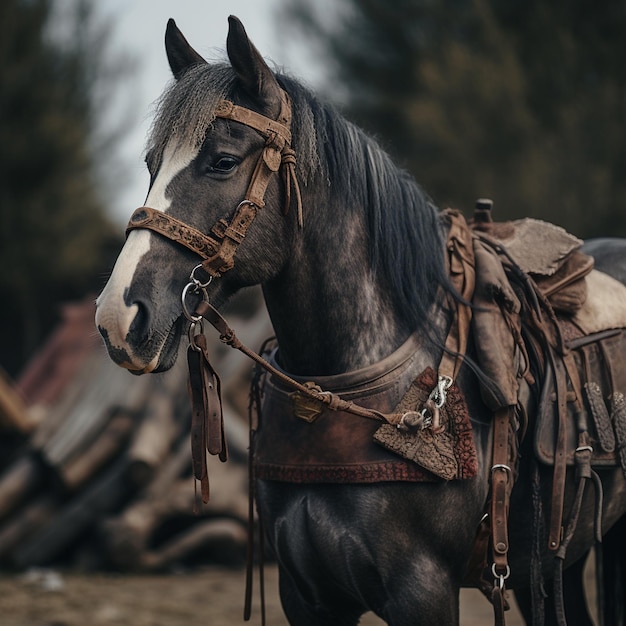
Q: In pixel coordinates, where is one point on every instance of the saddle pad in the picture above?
(605, 306)
(538, 247)
(602, 371)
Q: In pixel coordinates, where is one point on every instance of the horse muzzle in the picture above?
(132, 342)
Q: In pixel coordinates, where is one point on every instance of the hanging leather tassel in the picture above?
(291, 180)
(207, 422)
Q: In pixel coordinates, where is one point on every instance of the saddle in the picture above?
(543, 317)
(550, 337)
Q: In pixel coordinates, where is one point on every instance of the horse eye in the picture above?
(225, 165)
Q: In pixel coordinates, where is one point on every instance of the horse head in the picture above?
(203, 161)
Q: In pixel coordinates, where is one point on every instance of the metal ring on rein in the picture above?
(194, 289)
(500, 578)
(196, 286)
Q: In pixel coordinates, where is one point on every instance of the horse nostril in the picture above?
(140, 326)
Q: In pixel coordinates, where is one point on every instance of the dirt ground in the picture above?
(210, 597)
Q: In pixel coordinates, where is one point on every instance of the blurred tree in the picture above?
(522, 101)
(55, 237)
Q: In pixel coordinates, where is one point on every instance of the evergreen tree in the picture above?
(55, 237)
(521, 101)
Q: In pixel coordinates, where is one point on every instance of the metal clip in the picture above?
(196, 281)
(193, 327)
(436, 399)
(505, 468)
(441, 392)
(500, 577)
(411, 421)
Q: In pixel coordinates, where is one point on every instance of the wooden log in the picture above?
(54, 416)
(176, 466)
(154, 438)
(24, 524)
(18, 482)
(13, 413)
(87, 431)
(126, 535)
(237, 434)
(103, 497)
(98, 392)
(77, 472)
(129, 535)
(222, 540)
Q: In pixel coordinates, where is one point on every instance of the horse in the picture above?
(350, 254)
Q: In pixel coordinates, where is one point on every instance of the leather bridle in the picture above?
(218, 248)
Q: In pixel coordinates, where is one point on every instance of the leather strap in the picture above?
(560, 460)
(463, 278)
(564, 370)
(618, 415)
(207, 422)
(499, 606)
(266, 126)
(501, 485)
(172, 228)
(332, 401)
(502, 480)
(229, 237)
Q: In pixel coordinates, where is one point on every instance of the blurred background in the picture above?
(520, 101)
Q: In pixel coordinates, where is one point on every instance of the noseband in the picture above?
(217, 249)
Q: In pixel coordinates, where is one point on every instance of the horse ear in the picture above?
(180, 54)
(256, 77)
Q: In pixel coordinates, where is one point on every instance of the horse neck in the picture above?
(330, 312)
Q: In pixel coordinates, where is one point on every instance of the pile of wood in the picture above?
(96, 464)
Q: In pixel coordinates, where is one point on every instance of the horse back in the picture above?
(609, 255)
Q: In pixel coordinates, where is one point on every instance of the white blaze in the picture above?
(112, 313)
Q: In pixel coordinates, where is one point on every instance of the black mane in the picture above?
(406, 233)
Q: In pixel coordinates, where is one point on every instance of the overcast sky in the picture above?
(139, 28)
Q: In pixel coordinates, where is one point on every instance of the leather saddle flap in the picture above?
(600, 361)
